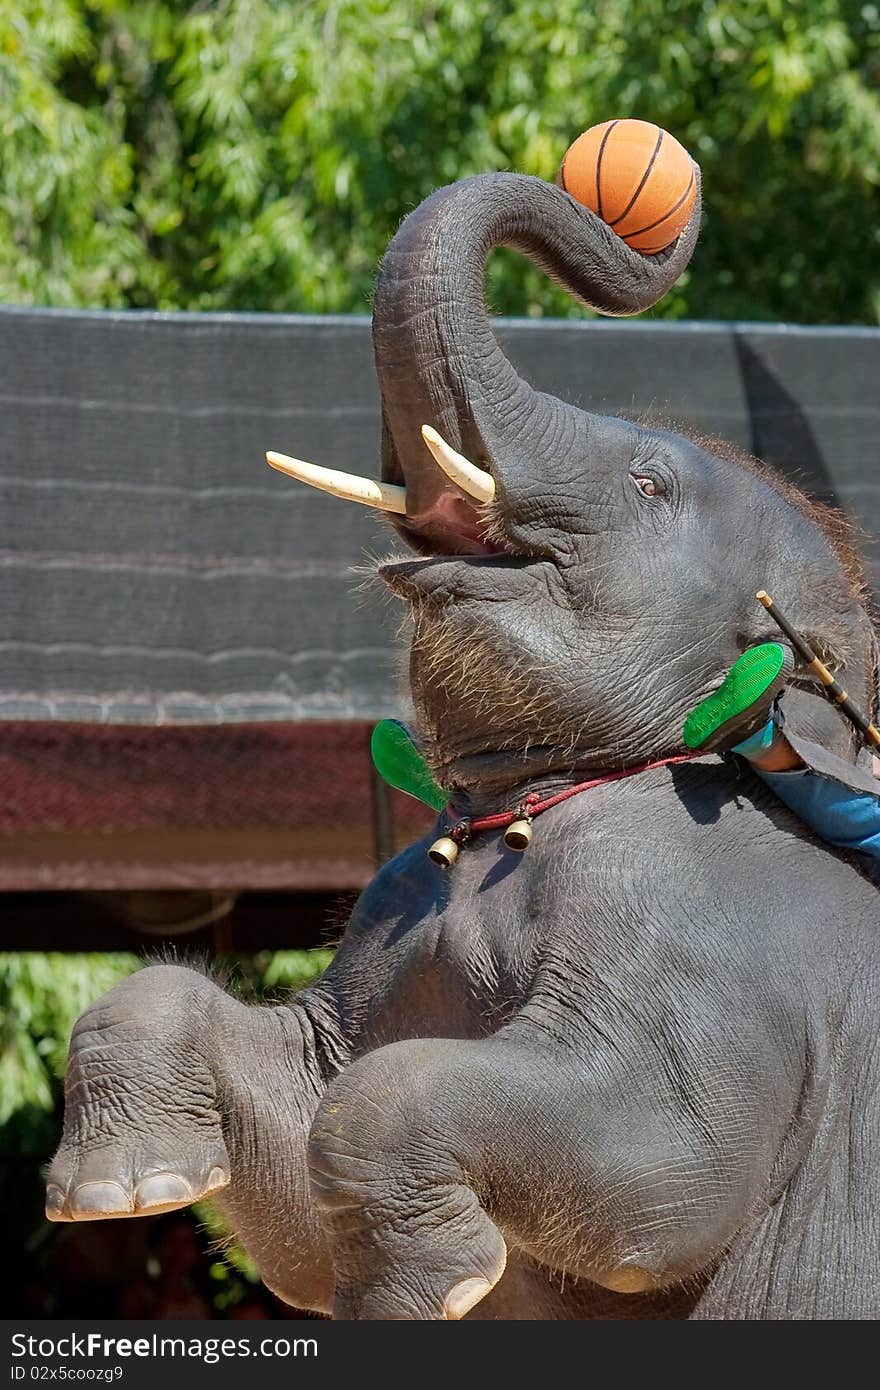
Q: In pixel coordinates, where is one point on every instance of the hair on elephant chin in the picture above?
(472, 674)
(535, 716)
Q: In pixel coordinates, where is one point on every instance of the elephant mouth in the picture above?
(460, 520)
(451, 525)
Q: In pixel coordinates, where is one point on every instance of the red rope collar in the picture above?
(532, 805)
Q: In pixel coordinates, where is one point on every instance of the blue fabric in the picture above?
(758, 743)
(843, 817)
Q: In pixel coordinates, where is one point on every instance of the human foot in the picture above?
(737, 715)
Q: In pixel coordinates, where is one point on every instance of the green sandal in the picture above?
(399, 763)
(742, 704)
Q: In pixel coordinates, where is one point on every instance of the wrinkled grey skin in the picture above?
(641, 1059)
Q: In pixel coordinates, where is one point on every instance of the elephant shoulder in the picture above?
(404, 887)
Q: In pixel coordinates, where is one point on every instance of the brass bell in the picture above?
(444, 852)
(518, 834)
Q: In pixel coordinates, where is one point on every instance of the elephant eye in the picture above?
(648, 487)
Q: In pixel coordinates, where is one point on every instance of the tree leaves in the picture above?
(259, 154)
(41, 997)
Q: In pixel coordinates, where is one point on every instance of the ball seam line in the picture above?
(674, 208)
(599, 167)
(645, 176)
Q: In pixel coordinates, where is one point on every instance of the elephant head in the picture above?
(579, 581)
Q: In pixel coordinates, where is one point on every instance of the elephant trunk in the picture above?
(437, 359)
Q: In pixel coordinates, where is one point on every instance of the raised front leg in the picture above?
(174, 1092)
(429, 1158)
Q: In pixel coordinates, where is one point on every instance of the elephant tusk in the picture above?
(387, 496)
(473, 481)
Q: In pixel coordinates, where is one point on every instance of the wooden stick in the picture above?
(832, 688)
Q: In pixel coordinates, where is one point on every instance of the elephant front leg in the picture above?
(429, 1158)
(142, 1128)
(176, 1092)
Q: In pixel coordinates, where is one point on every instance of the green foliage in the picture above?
(41, 997)
(291, 970)
(233, 1270)
(258, 154)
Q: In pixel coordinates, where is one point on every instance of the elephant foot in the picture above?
(128, 1185)
(142, 1131)
(410, 1239)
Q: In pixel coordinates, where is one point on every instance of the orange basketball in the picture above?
(636, 177)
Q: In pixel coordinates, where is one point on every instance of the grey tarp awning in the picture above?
(188, 660)
(155, 570)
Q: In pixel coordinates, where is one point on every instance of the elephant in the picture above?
(632, 1070)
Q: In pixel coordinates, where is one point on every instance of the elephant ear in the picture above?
(810, 715)
(821, 587)
(852, 655)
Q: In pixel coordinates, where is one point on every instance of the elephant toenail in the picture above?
(162, 1190)
(54, 1202)
(99, 1199)
(628, 1279)
(465, 1296)
(217, 1178)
